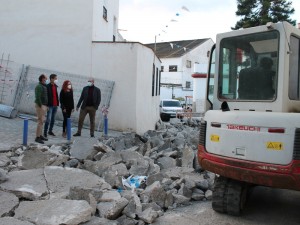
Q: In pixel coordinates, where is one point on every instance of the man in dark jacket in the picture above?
(89, 101)
(53, 104)
(41, 102)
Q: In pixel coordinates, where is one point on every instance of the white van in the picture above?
(168, 109)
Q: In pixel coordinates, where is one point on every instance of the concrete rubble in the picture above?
(81, 183)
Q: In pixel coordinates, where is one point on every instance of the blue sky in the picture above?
(142, 20)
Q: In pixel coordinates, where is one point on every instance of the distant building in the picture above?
(180, 60)
(81, 37)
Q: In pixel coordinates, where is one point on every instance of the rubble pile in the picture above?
(128, 179)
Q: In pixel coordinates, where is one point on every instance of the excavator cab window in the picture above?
(248, 67)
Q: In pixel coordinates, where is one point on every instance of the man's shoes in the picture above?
(76, 134)
(43, 138)
(51, 133)
(92, 135)
(39, 140)
(45, 135)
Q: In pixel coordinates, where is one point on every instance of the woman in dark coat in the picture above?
(66, 103)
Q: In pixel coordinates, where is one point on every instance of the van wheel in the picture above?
(229, 196)
(163, 118)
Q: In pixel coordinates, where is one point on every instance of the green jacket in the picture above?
(41, 95)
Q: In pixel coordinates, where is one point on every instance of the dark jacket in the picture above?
(66, 99)
(50, 94)
(41, 96)
(84, 97)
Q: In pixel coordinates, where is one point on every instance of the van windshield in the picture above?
(171, 104)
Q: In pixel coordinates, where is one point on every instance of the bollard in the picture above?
(69, 129)
(25, 132)
(105, 125)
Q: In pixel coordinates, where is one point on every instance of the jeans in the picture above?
(50, 119)
(66, 115)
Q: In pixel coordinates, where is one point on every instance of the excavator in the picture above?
(250, 134)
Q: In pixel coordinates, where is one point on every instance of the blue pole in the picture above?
(25, 132)
(105, 125)
(69, 129)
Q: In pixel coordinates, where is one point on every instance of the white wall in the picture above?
(104, 30)
(130, 66)
(50, 33)
(171, 77)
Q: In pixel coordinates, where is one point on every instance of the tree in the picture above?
(260, 12)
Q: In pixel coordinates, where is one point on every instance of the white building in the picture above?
(77, 36)
(180, 60)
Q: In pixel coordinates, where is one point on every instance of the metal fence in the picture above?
(18, 83)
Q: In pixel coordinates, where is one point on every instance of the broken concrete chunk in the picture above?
(60, 180)
(149, 215)
(27, 184)
(73, 163)
(188, 157)
(4, 160)
(8, 202)
(124, 220)
(13, 221)
(166, 163)
(102, 148)
(54, 211)
(198, 194)
(3, 175)
(81, 151)
(208, 195)
(112, 210)
(180, 199)
(37, 158)
(101, 221)
(185, 191)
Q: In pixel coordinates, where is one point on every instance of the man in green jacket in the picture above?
(41, 102)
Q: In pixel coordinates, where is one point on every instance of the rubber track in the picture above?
(233, 198)
(219, 203)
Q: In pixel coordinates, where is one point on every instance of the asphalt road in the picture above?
(266, 206)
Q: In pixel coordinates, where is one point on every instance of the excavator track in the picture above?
(229, 196)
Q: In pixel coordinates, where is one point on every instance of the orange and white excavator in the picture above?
(251, 133)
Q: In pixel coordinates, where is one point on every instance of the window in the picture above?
(157, 82)
(162, 68)
(172, 68)
(187, 84)
(153, 79)
(188, 64)
(104, 13)
(294, 83)
(248, 67)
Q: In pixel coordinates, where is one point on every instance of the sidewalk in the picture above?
(11, 133)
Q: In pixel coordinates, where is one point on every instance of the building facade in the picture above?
(81, 37)
(180, 60)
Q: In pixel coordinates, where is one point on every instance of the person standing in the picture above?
(41, 102)
(66, 103)
(89, 101)
(53, 103)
